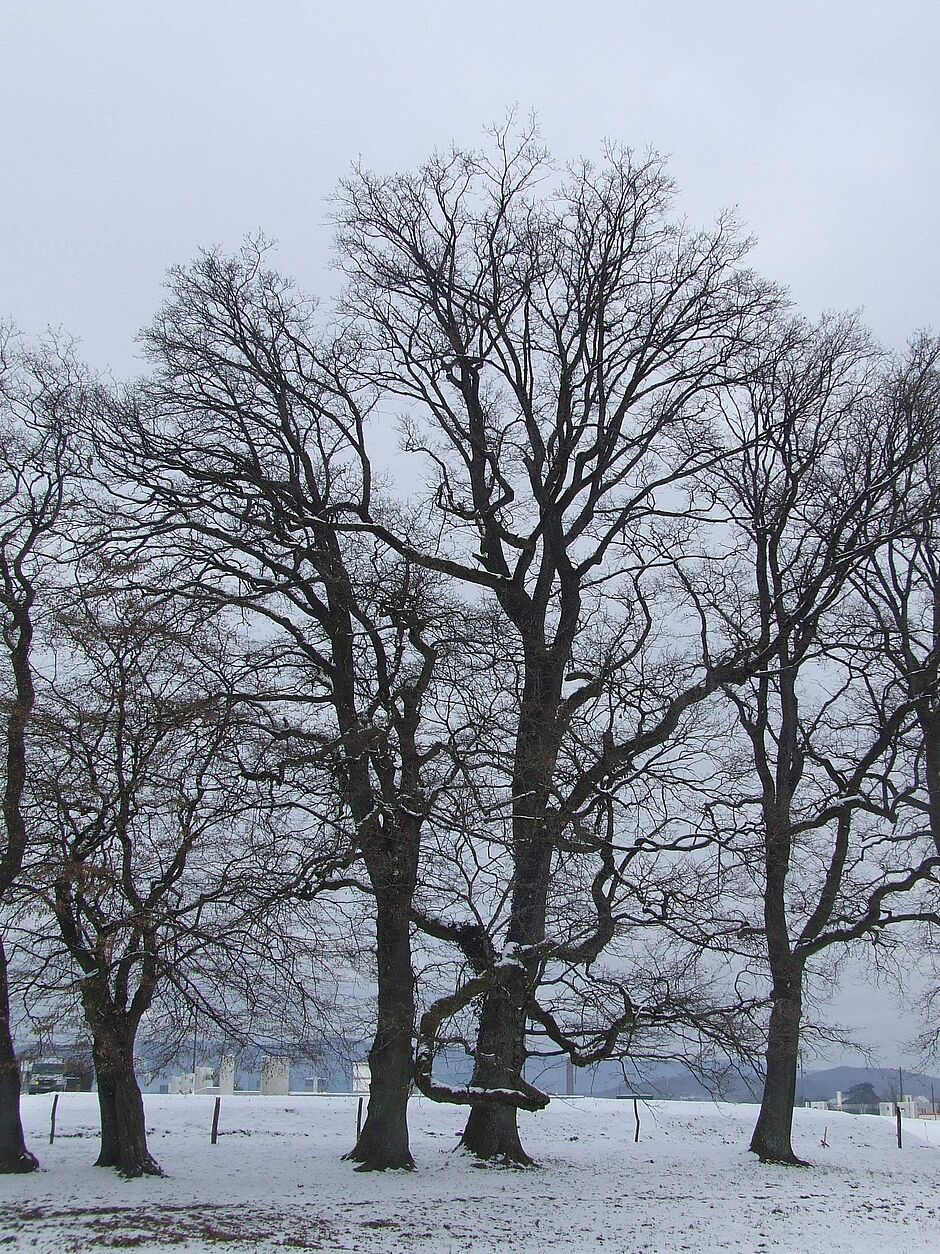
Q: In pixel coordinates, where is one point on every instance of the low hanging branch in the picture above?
(524, 1096)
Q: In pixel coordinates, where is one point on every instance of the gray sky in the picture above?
(135, 131)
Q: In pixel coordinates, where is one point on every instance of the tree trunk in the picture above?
(771, 1139)
(123, 1131)
(492, 1132)
(14, 1156)
(383, 1141)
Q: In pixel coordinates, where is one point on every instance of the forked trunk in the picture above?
(123, 1130)
(383, 1141)
(492, 1132)
(772, 1135)
(14, 1156)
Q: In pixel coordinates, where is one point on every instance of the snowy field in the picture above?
(275, 1182)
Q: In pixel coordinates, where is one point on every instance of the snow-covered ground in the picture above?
(275, 1182)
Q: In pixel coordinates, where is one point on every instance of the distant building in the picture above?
(910, 1107)
(202, 1081)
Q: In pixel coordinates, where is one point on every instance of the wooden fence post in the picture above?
(55, 1103)
(215, 1121)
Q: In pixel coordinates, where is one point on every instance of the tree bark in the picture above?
(492, 1132)
(383, 1141)
(772, 1134)
(14, 1156)
(123, 1130)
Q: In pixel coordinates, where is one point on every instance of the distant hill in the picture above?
(329, 1059)
(819, 1085)
(745, 1086)
(678, 1084)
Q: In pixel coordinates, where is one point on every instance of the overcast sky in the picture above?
(136, 131)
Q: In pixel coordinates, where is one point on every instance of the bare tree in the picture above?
(900, 584)
(240, 452)
(549, 337)
(40, 393)
(811, 495)
(898, 623)
(155, 846)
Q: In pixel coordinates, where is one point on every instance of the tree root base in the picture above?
(517, 1159)
(370, 1162)
(368, 1166)
(780, 1160)
(135, 1172)
(19, 1164)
